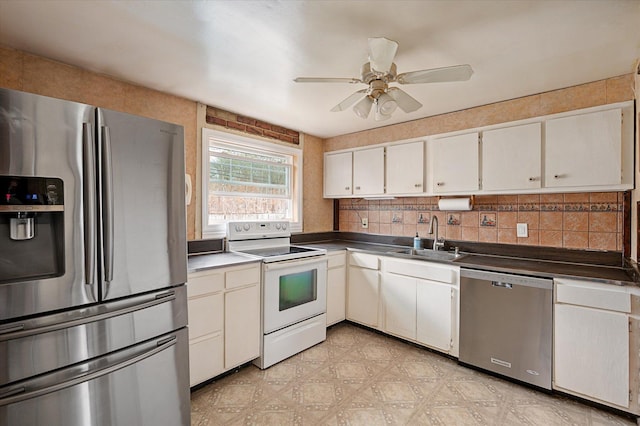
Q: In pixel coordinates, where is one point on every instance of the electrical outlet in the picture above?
(365, 222)
(522, 230)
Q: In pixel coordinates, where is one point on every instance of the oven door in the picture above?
(293, 291)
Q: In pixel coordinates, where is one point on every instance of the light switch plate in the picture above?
(365, 222)
(522, 230)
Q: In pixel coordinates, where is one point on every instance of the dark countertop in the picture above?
(545, 268)
(535, 267)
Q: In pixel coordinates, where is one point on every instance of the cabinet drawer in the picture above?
(243, 276)
(593, 295)
(423, 270)
(206, 358)
(364, 260)
(205, 282)
(336, 260)
(206, 315)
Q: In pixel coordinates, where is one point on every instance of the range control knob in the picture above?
(238, 228)
(246, 226)
(284, 226)
(278, 226)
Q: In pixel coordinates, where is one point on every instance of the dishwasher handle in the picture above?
(501, 284)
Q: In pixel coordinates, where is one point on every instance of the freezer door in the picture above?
(50, 342)
(147, 384)
(143, 210)
(46, 140)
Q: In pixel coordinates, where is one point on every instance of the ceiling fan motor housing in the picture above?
(369, 75)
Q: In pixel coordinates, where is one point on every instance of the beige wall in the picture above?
(34, 74)
(29, 73)
(318, 212)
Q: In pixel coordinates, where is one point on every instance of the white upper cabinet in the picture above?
(368, 171)
(576, 151)
(338, 174)
(405, 168)
(454, 164)
(584, 150)
(512, 158)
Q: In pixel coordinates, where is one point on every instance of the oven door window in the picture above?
(298, 289)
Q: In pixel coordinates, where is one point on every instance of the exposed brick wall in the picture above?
(251, 126)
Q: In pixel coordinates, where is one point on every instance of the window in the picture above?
(248, 179)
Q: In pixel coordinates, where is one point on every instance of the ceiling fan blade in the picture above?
(349, 101)
(326, 80)
(436, 75)
(381, 53)
(406, 102)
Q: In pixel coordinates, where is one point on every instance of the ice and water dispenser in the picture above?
(31, 228)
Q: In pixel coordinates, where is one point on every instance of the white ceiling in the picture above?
(242, 56)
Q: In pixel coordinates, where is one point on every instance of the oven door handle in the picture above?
(317, 260)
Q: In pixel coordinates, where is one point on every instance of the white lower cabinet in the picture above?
(206, 333)
(399, 301)
(592, 342)
(436, 315)
(363, 289)
(224, 319)
(420, 302)
(336, 286)
(241, 326)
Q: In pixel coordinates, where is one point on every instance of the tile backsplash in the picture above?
(572, 220)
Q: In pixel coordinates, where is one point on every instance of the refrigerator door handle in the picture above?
(89, 188)
(85, 372)
(107, 202)
(86, 316)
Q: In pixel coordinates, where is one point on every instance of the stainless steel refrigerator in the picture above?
(93, 308)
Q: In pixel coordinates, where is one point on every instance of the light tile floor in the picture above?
(360, 377)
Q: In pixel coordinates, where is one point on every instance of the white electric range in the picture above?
(294, 287)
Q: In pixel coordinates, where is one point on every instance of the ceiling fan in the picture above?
(378, 73)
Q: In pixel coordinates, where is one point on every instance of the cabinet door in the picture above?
(206, 344)
(399, 301)
(454, 161)
(591, 353)
(241, 326)
(206, 358)
(584, 150)
(205, 315)
(435, 314)
(512, 158)
(405, 168)
(338, 174)
(336, 294)
(368, 171)
(363, 296)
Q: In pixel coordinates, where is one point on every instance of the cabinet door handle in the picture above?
(533, 178)
(440, 184)
(357, 187)
(559, 176)
(347, 188)
(417, 185)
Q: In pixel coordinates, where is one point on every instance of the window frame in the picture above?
(219, 230)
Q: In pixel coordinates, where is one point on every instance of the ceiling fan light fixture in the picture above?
(385, 104)
(381, 117)
(363, 107)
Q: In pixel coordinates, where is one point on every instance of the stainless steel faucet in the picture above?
(437, 242)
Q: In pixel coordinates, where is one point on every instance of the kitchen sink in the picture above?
(428, 254)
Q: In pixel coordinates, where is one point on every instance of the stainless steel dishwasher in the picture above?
(506, 325)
